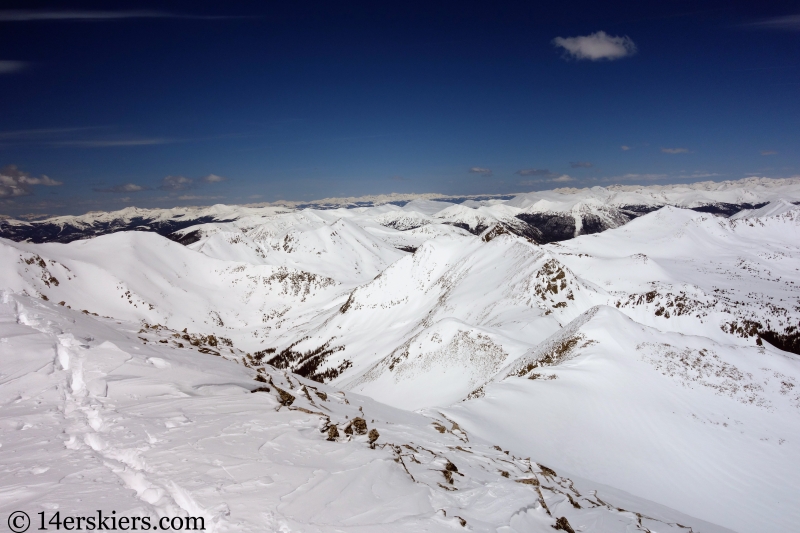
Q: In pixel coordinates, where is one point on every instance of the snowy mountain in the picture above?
(546, 216)
(96, 415)
(638, 341)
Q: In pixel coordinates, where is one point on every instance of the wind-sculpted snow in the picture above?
(95, 417)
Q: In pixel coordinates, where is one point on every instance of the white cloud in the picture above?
(675, 150)
(563, 179)
(597, 46)
(486, 172)
(624, 148)
(123, 188)
(176, 183)
(7, 67)
(213, 178)
(14, 182)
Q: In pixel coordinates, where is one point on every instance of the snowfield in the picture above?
(641, 342)
(93, 417)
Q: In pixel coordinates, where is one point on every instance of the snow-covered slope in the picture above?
(706, 194)
(162, 221)
(712, 429)
(653, 351)
(144, 277)
(776, 207)
(337, 248)
(96, 416)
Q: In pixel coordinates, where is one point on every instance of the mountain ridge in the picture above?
(658, 357)
(546, 216)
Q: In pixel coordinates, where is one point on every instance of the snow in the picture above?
(426, 207)
(748, 190)
(776, 207)
(712, 423)
(642, 362)
(95, 418)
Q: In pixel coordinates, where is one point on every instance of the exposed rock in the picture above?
(373, 435)
(563, 525)
(333, 433)
(284, 397)
(357, 425)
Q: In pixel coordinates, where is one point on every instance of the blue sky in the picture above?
(194, 103)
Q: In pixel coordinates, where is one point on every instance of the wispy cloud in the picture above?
(787, 22)
(768, 152)
(624, 148)
(9, 67)
(113, 143)
(636, 177)
(213, 178)
(32, 216)
(534, 172)
(124, 188)
(596, 47)
(675, 150)
(580, 164)
(31, 15)
(71, 137)
(563, 178)
(196, 197)
(176, 183)
(15, 182)
(485, 172)
(23, 135)
(699, 174)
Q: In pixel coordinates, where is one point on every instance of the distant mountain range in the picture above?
(547, 216)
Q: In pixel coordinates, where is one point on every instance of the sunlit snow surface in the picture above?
(92, 418)
(629, 360)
